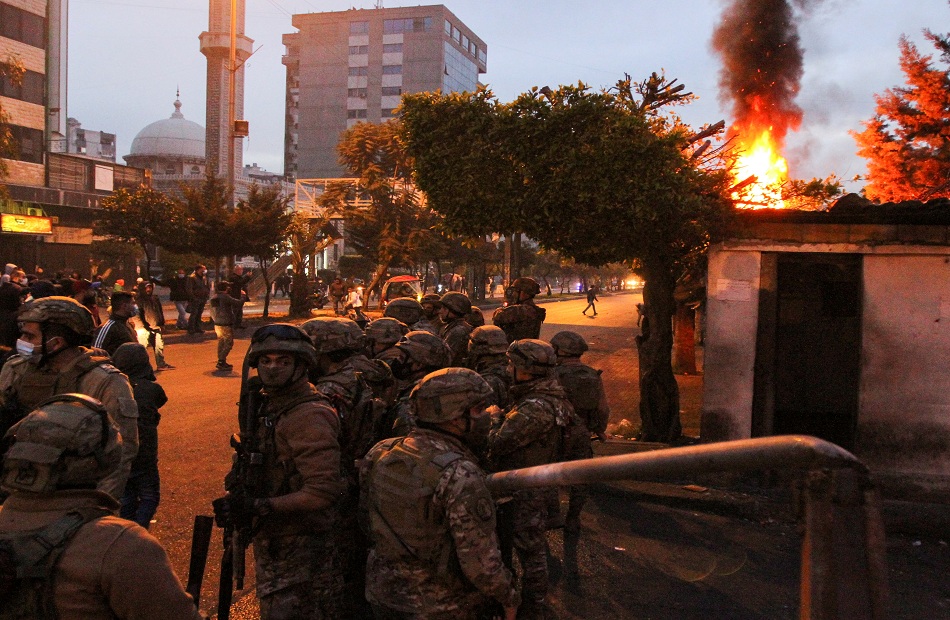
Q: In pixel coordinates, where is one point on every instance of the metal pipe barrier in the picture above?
(843, 574)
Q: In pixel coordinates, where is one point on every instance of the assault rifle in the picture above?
(243, 481)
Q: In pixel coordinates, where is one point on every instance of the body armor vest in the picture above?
(583, 389)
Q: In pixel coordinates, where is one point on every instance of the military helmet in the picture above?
(425, 348)
(487, 340)
(532, 356)
(331, 334)
(447, 394)
(432, 298)
(386, 331)
(404, 309)
(569, 344)
(62, 310)
(67, 441)
(475, 317)
(528, 286)
(457, 303)
(281, 338)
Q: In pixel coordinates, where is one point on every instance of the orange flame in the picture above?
(760, 170)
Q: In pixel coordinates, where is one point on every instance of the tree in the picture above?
(213, 221)
(389, 222)
(145, 217)
(907, 142)
(12, 70)
(600, 176)
(307, 236)
(264, 221)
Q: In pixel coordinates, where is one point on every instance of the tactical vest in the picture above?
(520, 321)
(28, 563)
(359, 411)
(581, 382)
(400, 504)
(546, 448)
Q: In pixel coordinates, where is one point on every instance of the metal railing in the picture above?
(843, 569)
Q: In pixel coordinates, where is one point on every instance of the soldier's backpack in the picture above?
(28, 562)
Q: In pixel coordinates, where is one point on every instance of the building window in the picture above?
(195, 170)
(357, 92)
(22, 26)
(482, 55)
(410, 24)
(448, 28)
(356, 71)
(392, 69)
(359, 27)
(356, 50)
(392, 48)
(27, 143)
(356, 114)
(389, 113)
(464, 43)
(30, 88)
(390, 91)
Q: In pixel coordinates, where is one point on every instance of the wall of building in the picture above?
(904, 424)
(732, 309)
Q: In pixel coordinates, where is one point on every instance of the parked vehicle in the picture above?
(400, 286)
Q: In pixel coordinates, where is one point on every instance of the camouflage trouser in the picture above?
(299, 577)
(521, 526)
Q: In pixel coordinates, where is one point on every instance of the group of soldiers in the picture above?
(360, 469)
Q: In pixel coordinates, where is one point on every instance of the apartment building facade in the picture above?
(353, 66)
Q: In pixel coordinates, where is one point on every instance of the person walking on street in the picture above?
(296, 513)
(178, 294)
(591, 298)
(116, 330)
(198, 290)
(74, 558)
(223, 311)
(153, 320)
(143, 490)
(238, 289)
(429, 515)
(337, 292)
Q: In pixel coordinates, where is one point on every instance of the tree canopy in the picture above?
(907, 142)
(10, 69)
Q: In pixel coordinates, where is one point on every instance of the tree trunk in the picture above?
(299, 304)
(262, 263)
(684, 341)
(381, 270)
(659, 393)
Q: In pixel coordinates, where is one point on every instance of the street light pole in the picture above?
(232, 69)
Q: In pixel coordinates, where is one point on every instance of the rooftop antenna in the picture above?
(379, 4)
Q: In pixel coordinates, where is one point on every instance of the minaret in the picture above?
(215, 45)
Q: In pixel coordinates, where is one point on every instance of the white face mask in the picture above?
(27, 350)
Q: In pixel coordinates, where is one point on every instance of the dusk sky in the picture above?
(128, 57)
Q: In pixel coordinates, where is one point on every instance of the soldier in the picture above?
(73, 557)
(419, 354)
(53, 360)
(409, 311)
(521, 318)
(296, 514)
(585, 390)
(431, 304)
(455, 329)
(529, 434)
(487, 348)
(383, 334)
(475, 318)
(429, 515)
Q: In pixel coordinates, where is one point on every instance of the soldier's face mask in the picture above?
(477, 425)
(277, 371)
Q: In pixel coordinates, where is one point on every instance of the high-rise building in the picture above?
(345, 67)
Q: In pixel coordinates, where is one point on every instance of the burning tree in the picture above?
(607, 176)
(907, 143)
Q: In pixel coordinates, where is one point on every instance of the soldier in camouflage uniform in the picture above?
(410, 312)
(431, 304)
(585, 390)
(521, 318)
(382, 335)
(419, 354)
(455, 331)
(431, 519)
(487, 355)
(297, 558)
(53, 359)
(530, 433)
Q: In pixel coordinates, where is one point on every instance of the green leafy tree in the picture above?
(263, 221)
(907, 142)
(814, 195)
(600, 176)
(307, 236)
(384, 217)
(145, 217)
(10, 69)
(212, 231)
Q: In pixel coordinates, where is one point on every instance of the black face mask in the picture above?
(476, 433)
(402, 368)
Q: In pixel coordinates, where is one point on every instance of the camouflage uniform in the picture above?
(435, 551)
(296, 556)
(455, 334)
(522, 320)
(529, 434)
(378, 376)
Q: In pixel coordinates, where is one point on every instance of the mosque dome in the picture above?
(174, 137)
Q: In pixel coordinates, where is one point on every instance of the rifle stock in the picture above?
(225, 582)
(200, 542)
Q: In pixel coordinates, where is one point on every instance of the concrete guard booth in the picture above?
(837, 324)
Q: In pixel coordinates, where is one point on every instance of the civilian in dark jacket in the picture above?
(178, 294)
(223, 309)
(198, 292)
(143, 490)
(238, 281)
(116, 330)
(153, 320)
(11, 297)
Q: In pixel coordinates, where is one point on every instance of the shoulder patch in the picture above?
(484, 509)
(445, 459)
